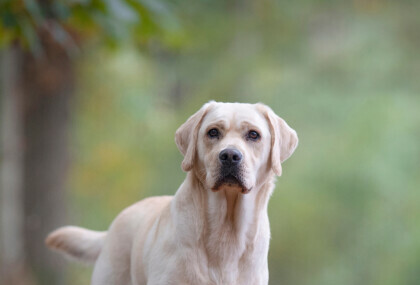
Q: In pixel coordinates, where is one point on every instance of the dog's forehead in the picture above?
(235, 114)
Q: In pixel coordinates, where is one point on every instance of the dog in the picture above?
(215, 229)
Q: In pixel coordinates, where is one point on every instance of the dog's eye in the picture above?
(253, 135)
(213, 133)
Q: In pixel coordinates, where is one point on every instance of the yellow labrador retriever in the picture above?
(215, 229)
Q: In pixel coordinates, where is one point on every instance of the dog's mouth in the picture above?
(230, 181)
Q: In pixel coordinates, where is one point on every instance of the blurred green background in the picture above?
(344, 74)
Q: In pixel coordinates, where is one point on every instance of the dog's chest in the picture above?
(226, 266)
(224, 259)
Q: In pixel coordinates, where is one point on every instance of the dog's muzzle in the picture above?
(230, 170)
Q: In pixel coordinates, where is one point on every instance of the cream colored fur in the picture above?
(200, 235)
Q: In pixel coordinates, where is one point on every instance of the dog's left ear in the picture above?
(284, 139)
(186, 136)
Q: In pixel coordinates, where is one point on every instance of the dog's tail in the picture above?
(76, 243)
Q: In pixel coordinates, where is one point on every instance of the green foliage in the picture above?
(112, 21)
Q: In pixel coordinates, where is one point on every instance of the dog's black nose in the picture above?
(230, 157)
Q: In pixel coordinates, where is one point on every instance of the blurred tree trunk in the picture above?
(47, 83)
(13, 263)
(37, 101)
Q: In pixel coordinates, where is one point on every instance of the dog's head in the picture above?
(235, 145)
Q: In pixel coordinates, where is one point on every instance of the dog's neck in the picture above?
(227, 222)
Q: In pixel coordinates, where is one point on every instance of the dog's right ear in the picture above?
(186, 136)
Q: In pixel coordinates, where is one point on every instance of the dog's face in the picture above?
(235, 146)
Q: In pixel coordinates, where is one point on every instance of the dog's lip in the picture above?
(231, 181)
